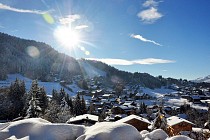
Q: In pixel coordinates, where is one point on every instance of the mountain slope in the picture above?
(35, 60)
(202, 79)
(90, 71)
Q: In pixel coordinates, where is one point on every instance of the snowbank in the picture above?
(180, 137)
(40, 129)
(157, 134)
(36, 128)
(111, 131)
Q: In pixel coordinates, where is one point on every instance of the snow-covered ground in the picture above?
(202, 79)
(180, 101)
(91, 71)
(37, 128)
(159, 92)
(49, 86)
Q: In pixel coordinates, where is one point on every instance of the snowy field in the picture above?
(49, 86)
(159, 92)
(91, 71)
(37, 129)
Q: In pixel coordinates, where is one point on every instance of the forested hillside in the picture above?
(35, 60)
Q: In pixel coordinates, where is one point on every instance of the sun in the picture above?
(66, 36)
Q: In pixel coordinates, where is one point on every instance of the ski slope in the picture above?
(48, 86)
(91, 71)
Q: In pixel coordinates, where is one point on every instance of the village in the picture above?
(142, 108)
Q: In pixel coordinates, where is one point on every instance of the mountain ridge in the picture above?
(38, 60)
(205, 79)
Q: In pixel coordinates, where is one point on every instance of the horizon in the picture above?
(148, 36)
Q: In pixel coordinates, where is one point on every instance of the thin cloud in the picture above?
(150, 15)
(111, 61)
(69, 19)
(79, 27)
(6, 7)
(147, 61)
(151, 61)
(149, 3)
(144, 39)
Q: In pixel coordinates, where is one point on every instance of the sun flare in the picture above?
(67, 36)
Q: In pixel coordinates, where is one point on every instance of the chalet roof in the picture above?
(195, 97)
(130, 117)
(83, 117)
(173, 120)
(129, 107)
(139, 94)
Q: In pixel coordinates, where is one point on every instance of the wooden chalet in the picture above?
(179, 124)
(138, 122)
(85, 119)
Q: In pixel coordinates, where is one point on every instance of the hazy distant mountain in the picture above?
(202, 79)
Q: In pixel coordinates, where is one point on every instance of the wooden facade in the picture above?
(138, 122)
(139, 125)
(182, 126)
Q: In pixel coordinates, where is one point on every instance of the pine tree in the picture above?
(208, 122)
(17, 97)
(69, 102)
(160, 121)
(43, 99)
(37, 100)
(83, 105)
(34, 109)
(91, 109)
(55, 95)
(102, 115)
(77, 106)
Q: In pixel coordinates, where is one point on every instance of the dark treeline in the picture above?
(15, 103)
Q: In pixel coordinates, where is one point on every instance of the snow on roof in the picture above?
(139, 94)
(130, 117)
(158, 134)
(179, 137)
(173, 120)
(107, 95)
(111, 131)
(39, 129)
(195, 97)
(83, 117)
(128, 107)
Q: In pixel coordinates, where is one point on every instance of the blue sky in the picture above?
(168, 37)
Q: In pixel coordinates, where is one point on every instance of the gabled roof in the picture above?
(83, 117)
(173, 120)
(130, 117)
(139, 94)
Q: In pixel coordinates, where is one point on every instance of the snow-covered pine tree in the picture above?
(37, 100)
(160, 121)
(64, 113)
(34, 109)
(43, 99)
